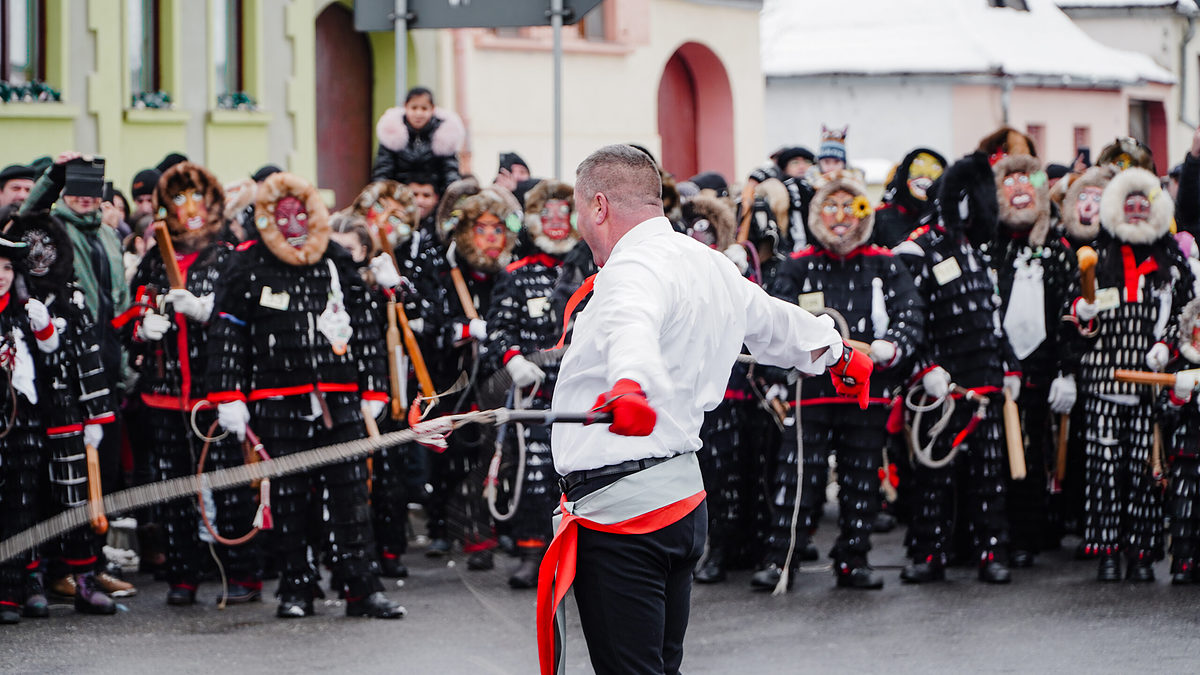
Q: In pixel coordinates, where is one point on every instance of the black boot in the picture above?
(526, 574)
(711, 569)
(391, 566)
(1182, 571)
(375, 606)
(923, 572)
(1110, 568)
(480, 561)
(1140, 570)
(884, 522)
(767, 578)
(437, 548)
(992, 571)
(295, 606)
(90, 599)
(856, 573)
(9, 614)
(36, 606)
(1021, 558)
(180, 595)
(810, 553)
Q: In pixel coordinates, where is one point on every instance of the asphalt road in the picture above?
(1053, 618)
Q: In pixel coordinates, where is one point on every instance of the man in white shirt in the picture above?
(654, 348)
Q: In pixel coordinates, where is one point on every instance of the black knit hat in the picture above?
(711, 180)
(786, 155)
(170, 161)
(144, 182)
(265, 171)
(510, 159)
(15, 171)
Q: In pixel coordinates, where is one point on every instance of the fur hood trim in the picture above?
(1030, 166)
(447, 139)
(238, 196)
(1137, 151)
(835, 182)
(190, 176)
(456, 192)
(62, 270)
(966, 201)
(500, 203)
(1187, 318)
(1007, 141)
(776, 194)
(1097, 176)
(270, 191)
(397, 192)
(535, 199)
(1112, 207)
(717, 212)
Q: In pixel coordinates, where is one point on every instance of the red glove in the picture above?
(632, 414)
(852, 374)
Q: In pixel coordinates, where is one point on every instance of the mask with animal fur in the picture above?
(710, 221)
(1023, 196)
(485, 246)
(1134, 208)
(840, 216)
(292, 219)
(550, 217)
(389, 210)
(191, 201)
(49, 264)
(1080, 210)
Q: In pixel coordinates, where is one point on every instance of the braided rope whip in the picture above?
(431, 432)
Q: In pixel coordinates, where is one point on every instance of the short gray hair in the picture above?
(627, 176)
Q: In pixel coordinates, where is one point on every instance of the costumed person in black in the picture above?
(1143, 282)
(389, 468)
(843, 275)
(295, 348)
(479, 228)
(25, 328)
(169, 350)
(523, 323)
(75, 401)
(1037, 278)
(418, 139)
(907, 196)
(1179, 416)
(964, 345)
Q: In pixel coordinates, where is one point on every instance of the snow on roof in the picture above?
(955, 37)
(1184, 6)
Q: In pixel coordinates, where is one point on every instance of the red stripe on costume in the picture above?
(169, 402)
(1134, 272)
(102, 419)
(65, 429)
(375, 396)
(45, 333)
(219, 397)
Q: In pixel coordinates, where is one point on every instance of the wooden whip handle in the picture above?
(1087, 272)
(1144, 377)
(1064, 435)
(464, 295)
(1012, 434)
(166, 249)
(95, 493)
(394, 374)
(414, 354)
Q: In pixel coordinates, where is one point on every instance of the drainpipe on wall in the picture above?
(1183, 69)
(1006, 89)
(460, 95)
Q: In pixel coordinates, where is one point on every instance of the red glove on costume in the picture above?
(852, 375)
(632, 414)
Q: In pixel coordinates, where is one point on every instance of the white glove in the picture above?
(417, 325)
(93, 434)
(1062, 394)
(776, 391)
(1012, 386)
(1157, 357)
(233, 417)
(39, 316)
(883, 352)
(936, 382)
(187, 304)
(1086, 311)
(153, 327)
(524, 374)
(385, 271)
(374, 408)
(478, 329)
(737, 253)
(1185, 384)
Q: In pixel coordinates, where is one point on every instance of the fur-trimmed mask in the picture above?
(1134, 208)
(482, 224)
(1023, 195)
(550, 217)
(1081, 204)
(49, 264)
(840, 215)
(389, 211)
(190, 200)
(710, 221)
(291, 219)
(1189, 331)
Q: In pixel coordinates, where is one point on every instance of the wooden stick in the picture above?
(394, 374)
(743, 233)
(1064, 434)
(1087, 272)
(95, 493)
(1144, 377)
(372, 432)
(464, 295)
(167, 250)
(414, 354)
(1016, 442)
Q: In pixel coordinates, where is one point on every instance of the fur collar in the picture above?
(276, 187)
(1030, 166)
(447, 136)
(1097, 176)
(847, 182)
(535, 199)
(1187, 318)
(238, 196)
(190, 176)
(1112, 207)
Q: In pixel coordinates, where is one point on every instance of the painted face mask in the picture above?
(489, 235)
(842, 214)
(1087, 207)
(703, 232)
(42, 252)
(922, 172)
(556, 219)
(1137, 208)
(292, 220)
(190, 209)
(388, 216)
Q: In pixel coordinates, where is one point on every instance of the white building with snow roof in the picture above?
(944, 73)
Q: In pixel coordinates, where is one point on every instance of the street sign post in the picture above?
(402, 15)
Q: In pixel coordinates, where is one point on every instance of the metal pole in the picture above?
(401, 21)
(556, 21)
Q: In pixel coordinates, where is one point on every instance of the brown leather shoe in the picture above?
(114, 586)
(63, 587)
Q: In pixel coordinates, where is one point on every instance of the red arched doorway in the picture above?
(344, 124)
(695, 113)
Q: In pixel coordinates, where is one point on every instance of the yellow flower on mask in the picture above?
(862, 207)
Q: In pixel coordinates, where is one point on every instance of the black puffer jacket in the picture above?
(405, 152)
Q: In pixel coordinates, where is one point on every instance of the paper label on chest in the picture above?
(272, 300)
(812, 302)
(1108, 299)
(946, 271)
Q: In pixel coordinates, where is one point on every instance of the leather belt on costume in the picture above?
(575, 478)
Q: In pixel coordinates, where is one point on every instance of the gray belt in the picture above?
(576, 478)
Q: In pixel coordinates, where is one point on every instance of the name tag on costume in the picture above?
(272, 300)
(537, 307)
(812, 302)
(946, 271)
(1108, 298)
